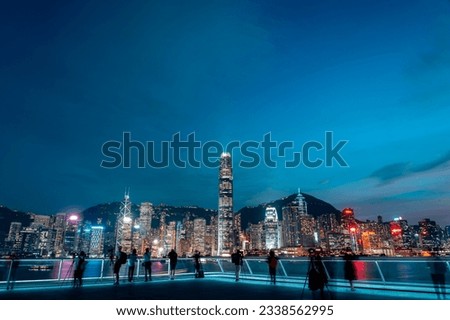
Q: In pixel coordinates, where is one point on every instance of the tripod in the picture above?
(70, 271)
(321, 274)
(307, 277)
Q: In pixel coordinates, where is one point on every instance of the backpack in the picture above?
(123, 258)
(273, 263)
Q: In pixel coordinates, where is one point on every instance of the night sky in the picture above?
(76, 74)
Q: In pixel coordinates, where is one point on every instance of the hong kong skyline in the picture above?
(375, 74)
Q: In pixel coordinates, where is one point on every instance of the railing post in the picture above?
(381, 273)
(326, 271)
(8, 279)
(101, 270)
(282, 268)
(60, 269)
(220, 265)
(138, 268)
(248, 267)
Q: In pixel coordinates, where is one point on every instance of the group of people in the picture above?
(131, 260)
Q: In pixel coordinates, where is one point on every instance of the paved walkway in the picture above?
(187, 288)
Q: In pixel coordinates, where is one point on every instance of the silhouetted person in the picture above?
(349, 267)
(272, 260)
(237, 259)
(316, 272)
(121, 258)
(438, 269)
(197, 263)
(173, 257)
(14, 265)
(80, 265)
(147, 265)
(132, 260)
(111, 256)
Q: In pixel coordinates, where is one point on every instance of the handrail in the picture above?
(411, 273)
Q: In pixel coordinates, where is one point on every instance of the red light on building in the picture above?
(396, 229)
(348, 212)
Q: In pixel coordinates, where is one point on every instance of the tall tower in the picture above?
(271, 228)
(225, 234)
(145, 218)
(124, 225)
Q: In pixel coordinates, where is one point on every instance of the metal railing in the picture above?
(413, 274)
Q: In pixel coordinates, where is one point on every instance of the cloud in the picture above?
(391, 171)
(413, 192)
(399, 170)
(434, 164)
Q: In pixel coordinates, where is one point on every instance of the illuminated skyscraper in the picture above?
(59, 227)
(226, 236)
(199, 235)
(96, 243)
(14, 239)
(271, 229)
(293, 225)
(145, 223)
(124, 226)
(71, 234)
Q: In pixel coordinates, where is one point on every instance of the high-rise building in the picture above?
(199, 235)
(14, 239)
(271, 229)
(145, 225)
(59, 225)
(226, 235)
(96, 243)
(256, 238)
(30, 238)
(291, 213)
(71, 234)
(124, 226)
(307, 226)
(429, 234)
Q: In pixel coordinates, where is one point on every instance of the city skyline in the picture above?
(375, 74)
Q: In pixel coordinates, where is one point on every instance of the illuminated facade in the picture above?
(96, 242)
(71, 234)
(199, 235)
(226, 236)
(291, 221)
(271, 229)
(145, 226)
(124, 226)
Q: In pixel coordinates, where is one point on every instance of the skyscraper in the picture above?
(294, 214)
(226, 237)
(271, 228)
(145, 223)
(124, 225)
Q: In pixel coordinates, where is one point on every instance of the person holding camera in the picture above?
(237, 259)
(147, 264)
(317, 277)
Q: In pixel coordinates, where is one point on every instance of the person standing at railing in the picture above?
(317, 277)
(121, 258)
(173, 258)
(197, 264)
(237, 259)
(272, 261)
(132, 259)
(80, 265)
(147, 265)
(349, 267)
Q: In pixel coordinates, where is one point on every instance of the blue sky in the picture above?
(377, 73)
